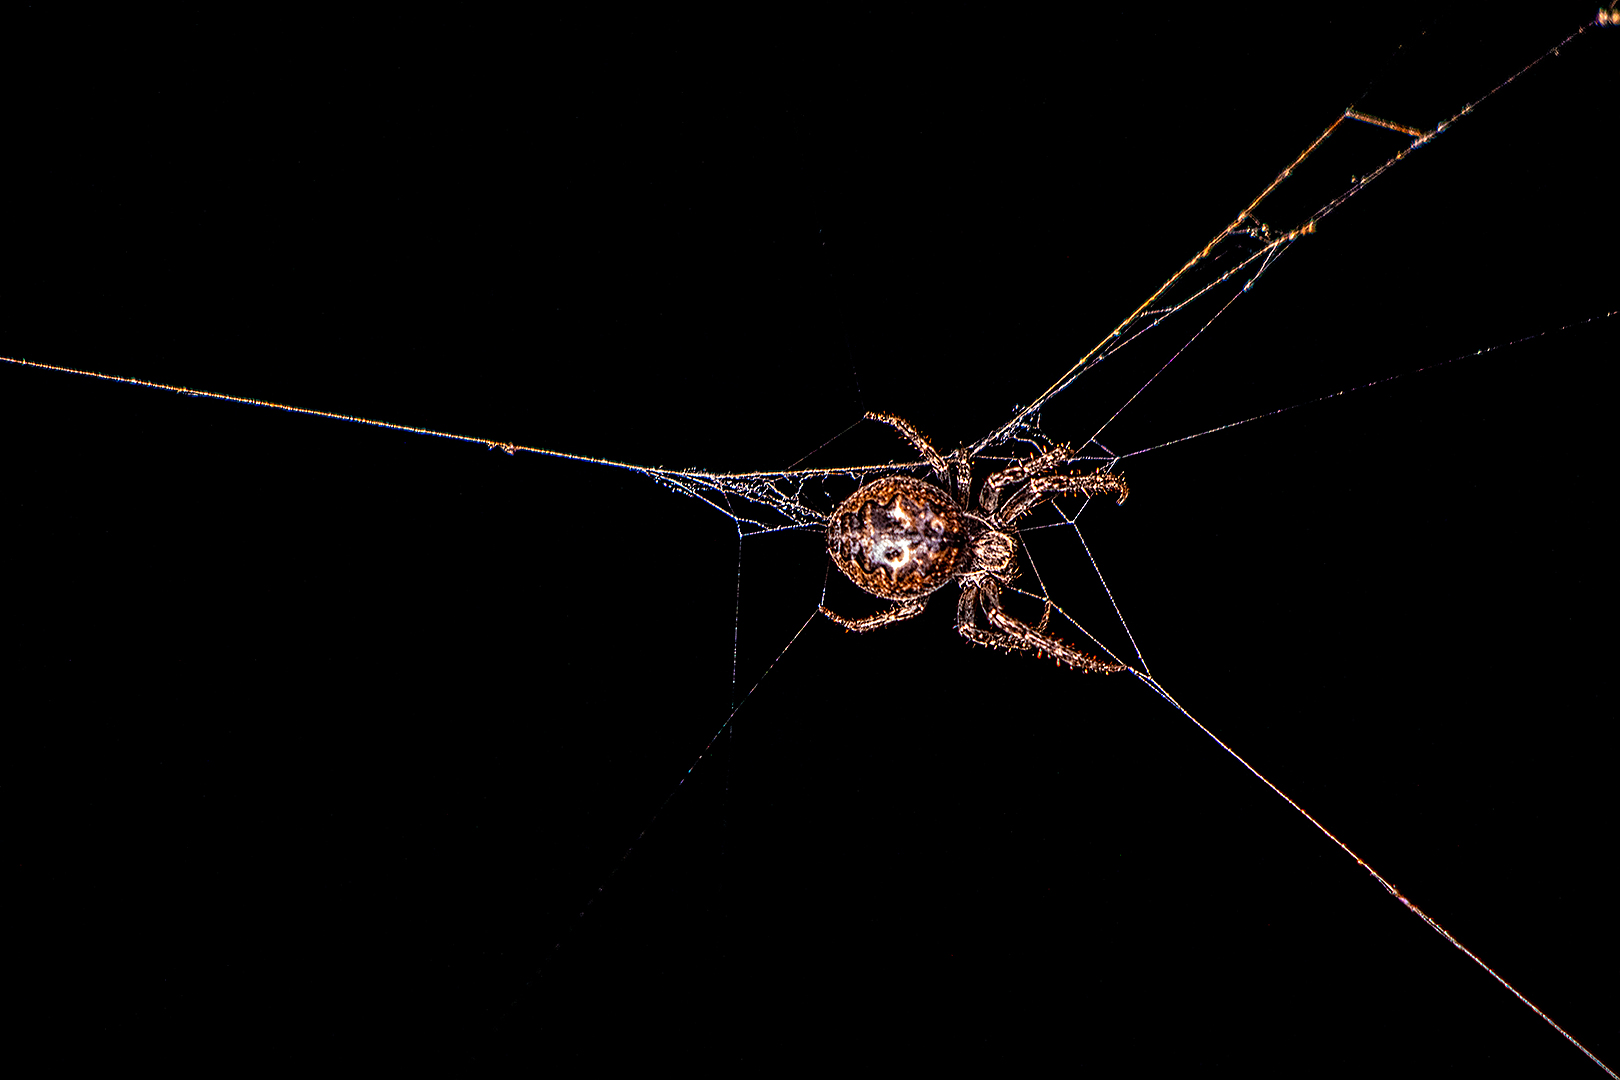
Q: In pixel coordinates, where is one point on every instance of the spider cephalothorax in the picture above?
(902, 539)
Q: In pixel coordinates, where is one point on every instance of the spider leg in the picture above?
(1011, 633)
(1002, 479)
(920, 444)
(1045, 488)
(904, 610)
(962, 469)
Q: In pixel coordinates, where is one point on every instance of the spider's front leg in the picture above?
(904, 610)
(1002, 479)
(1045, 488)
(1040, 486)
(1011, 633)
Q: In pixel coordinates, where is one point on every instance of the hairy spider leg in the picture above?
(1046, 488)
(905, 610)
(956, 484)
(1013, 634)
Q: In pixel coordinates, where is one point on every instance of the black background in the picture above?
(330, 742)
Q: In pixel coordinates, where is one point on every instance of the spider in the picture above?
(903, 539)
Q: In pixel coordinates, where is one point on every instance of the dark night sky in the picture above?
(324, 736)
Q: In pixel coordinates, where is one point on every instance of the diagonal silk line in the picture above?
(1153, 684)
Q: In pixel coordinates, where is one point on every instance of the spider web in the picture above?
(1182, 310)
(1199, 293)
(881, 787)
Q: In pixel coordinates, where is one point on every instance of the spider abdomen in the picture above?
(898, 537)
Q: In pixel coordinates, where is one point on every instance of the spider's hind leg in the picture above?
(904, 610)
(921, 444)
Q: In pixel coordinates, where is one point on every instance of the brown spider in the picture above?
(902, 538)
